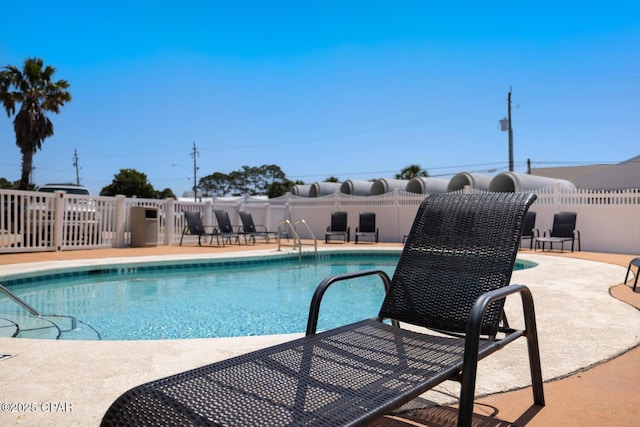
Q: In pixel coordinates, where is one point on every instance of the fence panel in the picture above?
(30, 221)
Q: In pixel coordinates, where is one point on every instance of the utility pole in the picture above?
(195, 155)
(75, 164)
(510, 131)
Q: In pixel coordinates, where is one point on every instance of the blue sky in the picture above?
(352, 89)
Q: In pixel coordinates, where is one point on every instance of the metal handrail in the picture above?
(22, 303)
(297, 242)
(15, 298)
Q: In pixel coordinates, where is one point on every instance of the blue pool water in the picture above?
(212, 300)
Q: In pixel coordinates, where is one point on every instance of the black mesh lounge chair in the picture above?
(194, 227)
(367, 226)
(530, 231)
(453, 276)
(563, 230)
(225, 229)
(338, 227)
(250, 231)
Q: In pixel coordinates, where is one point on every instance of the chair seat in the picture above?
(551, 241)
(331, 378)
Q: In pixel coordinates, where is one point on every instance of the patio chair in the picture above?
(338, 227)
(633, 262)
(563, 230)
(225, 229)
(367, 226)
(530, 231)
(194, 227)
(250, 230)
(453, 276)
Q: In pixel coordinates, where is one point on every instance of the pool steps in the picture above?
(33, 324)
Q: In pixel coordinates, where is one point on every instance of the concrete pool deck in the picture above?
(585, 317)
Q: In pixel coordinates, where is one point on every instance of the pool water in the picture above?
(211, 300)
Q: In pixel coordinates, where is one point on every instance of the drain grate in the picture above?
(5, 356)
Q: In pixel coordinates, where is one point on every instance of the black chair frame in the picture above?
(462, 246)
(194, 227)
(367, 227)
(338, 227)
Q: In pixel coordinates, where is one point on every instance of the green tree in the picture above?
(411, 171)
(15, 185)
(274, 182)
(332, 179)
(165, 194)
(266, 179)
(130, 182)
(34, 90)
(217, 183)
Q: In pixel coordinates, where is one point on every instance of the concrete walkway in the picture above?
(581, 325)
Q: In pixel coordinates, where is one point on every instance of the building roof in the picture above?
(621, 176)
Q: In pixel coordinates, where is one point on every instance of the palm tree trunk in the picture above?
(27, 165)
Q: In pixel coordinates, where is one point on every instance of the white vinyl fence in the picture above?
(30, 221)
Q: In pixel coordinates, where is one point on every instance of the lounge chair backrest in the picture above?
(247, 222)
(367, 222)
(194, 222)
(224, 222)
(529, 224)
(338, 221)
(564, 224)
(460, 246)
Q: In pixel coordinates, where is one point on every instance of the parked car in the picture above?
(81, 218)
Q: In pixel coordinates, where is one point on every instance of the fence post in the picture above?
(396, 203)
(120, 220)
(267, 216)
(169, 223)
(556, 197)
(59, 215)
(208, 213)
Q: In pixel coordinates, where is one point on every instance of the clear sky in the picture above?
(351, 89)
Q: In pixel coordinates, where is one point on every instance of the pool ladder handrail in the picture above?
(297, 242)
(22, 303)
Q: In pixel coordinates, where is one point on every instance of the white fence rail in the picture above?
(29, 221)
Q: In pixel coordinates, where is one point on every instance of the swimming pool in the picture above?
(206, 299)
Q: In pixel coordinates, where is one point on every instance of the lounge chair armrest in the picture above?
(474, 324)
(472, 339)
(314, 309)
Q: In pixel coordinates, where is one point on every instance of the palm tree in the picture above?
(36, 93)
(411, 171)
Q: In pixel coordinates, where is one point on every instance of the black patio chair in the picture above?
(530, 231)
(453, 277)
(338, 227)
(563, 230)
(250, 230)
(194, 227)
(367, 226)
(225, 229)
